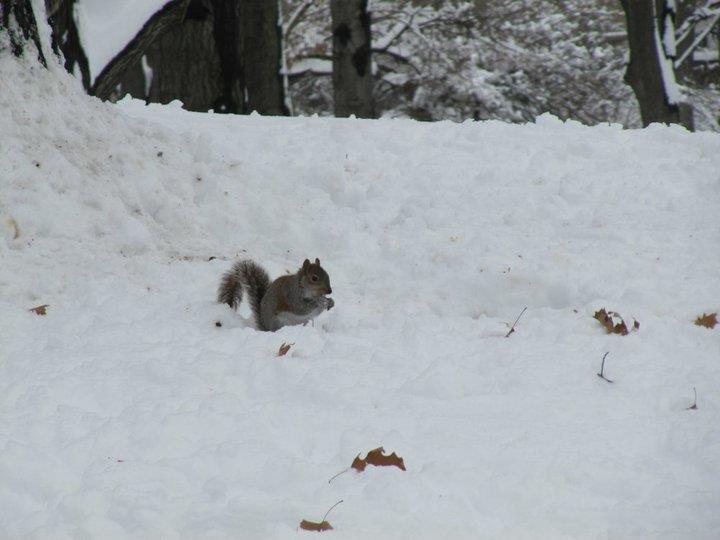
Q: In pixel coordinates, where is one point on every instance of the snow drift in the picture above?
(126, 412)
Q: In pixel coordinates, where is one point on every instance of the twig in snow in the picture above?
(602, 369)
(694, 405)
(333, 506)
(512, 328)
(338, 474)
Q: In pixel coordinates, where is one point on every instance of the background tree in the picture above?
(183, 63)
(170, 15)
(224, 55)
(651, 70)
(351, 59)
(262, 42)
(17, 19)
(66, 38)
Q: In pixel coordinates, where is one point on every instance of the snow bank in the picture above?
(126, 412)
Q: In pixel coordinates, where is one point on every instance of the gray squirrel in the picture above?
(289, 300)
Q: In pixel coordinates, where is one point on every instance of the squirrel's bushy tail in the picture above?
(246, 275)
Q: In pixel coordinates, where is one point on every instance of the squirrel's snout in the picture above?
(329, 290)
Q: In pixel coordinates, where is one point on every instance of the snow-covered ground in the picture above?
(125, 412)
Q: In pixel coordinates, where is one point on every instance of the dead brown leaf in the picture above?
(284, 348)
(321, 525)
(376, 457)
(708, 321)
(40, 310)
(614, 323)
(306, 525)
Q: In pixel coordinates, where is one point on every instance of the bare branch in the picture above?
(694, 405)
(295, 17)
(512, 328)
(602, 369)
(699, 39)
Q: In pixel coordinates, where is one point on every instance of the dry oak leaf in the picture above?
(284, 348)
(614, 323)
(376, 457)
(708, 321)
(306, 525)
(40, 310)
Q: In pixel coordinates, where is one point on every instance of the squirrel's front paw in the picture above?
(329, 303)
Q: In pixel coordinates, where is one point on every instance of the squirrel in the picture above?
(289, 300)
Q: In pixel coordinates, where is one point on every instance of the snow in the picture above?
(125, 412)
(314, 65)
(107, 26)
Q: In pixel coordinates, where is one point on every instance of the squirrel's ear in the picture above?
(317, 261)
(306, 263)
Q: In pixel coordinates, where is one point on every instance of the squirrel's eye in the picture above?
(314, 278)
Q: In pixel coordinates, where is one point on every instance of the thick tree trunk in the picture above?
(646, 21)
(65, 38)
(134, 81)
(170, 15)
(229, 45)
(352, 73)
(184, 62)
(262, 57)
(18, 20)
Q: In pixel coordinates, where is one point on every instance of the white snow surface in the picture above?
(125, 412)
(107, 26)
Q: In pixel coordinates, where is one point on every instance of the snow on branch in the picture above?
(398, 30)
(296, 16)
(665, 48)
(710, 9)
(698, 39)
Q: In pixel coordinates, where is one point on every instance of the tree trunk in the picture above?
(18, 19)
(352, 73)
(650, 72)
(134, 81)
(107, 81)
(66, 39)
(262, 57)
(184, 61)
(229, 44)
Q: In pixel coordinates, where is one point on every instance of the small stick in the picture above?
(333, 506)
(602, 369)
(338, 474)
(694, 405)
(512, 328)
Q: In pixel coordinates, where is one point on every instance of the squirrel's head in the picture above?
(314, 279)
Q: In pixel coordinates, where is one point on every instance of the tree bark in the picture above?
(18, 19)
(645, 24)
(261, 41)
(170, 15)
(227, 31)
(134, 81)
(184, 61)
(352, 63)
(66, 39)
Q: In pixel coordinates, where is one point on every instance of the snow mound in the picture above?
(127, 412)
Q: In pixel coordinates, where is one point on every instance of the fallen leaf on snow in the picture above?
(708, 321)
(306, 525)
(284, 348)
(614, 323)
(376, 457)
(40, 310)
